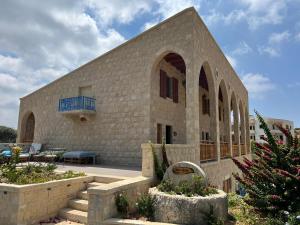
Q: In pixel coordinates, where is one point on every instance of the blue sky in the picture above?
(43, 40)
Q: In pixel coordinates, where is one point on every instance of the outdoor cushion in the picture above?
(78, 154)
(6, 153)
(24, 155)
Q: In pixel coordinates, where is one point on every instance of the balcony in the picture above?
(77, 105)
(225, 150)
(208, 151)
(235, 150)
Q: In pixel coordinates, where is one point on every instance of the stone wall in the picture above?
(29, 204)
(165, 111)
(102, 204)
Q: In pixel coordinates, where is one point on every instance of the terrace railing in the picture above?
(225, 150)
(77, 103)
(235, 150)
(243, 149)
(208, 151)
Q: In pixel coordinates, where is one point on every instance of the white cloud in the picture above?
(232, 61)
(258, 85)
(120, 11)
(272, 52)
(277, 38)
(242, 49)
(42, 40)
(255, 12)
(168, 8)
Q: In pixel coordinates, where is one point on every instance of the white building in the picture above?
(256, 132)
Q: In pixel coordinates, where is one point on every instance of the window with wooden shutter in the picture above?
(175, 90)
(163, 84)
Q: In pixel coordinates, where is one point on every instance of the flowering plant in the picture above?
(272, 178)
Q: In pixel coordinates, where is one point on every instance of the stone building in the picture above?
(257, 133)
(171, 83)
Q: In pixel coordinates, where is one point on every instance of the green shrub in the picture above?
(272, 179)
(160, 168)
(122, 204)
(32, 173)
(211, 218)
(195, 187)
(7, 135)
(145, 206)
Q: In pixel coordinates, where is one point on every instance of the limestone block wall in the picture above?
(29, 204)
(165, 111)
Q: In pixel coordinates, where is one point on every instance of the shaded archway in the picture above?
(234, 125)
(168, 99)
(207, 115)
(28, 128)
(224, 120)
(242, 129)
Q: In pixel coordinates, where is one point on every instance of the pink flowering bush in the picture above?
(272, 178)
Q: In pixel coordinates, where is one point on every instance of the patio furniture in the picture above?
(81, 157)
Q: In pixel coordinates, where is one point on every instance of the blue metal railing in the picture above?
(76, 103)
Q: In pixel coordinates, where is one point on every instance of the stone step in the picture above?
(73, 215)
(94, 184)
(83, 195)
(79, 204)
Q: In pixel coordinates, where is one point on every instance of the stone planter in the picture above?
(180, 209)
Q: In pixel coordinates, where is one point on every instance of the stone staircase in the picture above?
(77, 210)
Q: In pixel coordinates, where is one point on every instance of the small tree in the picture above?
(7, 135)
(272, 179)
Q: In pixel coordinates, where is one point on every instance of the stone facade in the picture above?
(126, 85)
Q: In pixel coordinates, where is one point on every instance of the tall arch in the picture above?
(28, 126)
(168, 99)
(224, 120)
(234, 121)
(207, 114)
(242, 128)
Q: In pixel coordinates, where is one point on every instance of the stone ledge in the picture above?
(37, 186)
(119, 185)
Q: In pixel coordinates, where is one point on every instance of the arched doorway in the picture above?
(28, 129)
(168, 99)
(207, 113)
(234, 121)
(224, 123)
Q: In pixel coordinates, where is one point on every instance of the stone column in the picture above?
(236, 126)
(227, 124)
(214, 119)
(192, 108)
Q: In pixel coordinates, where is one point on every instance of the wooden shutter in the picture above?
(159, 134)
(163, 84)
(175, 90)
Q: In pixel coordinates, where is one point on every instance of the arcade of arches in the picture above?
(219, 111)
